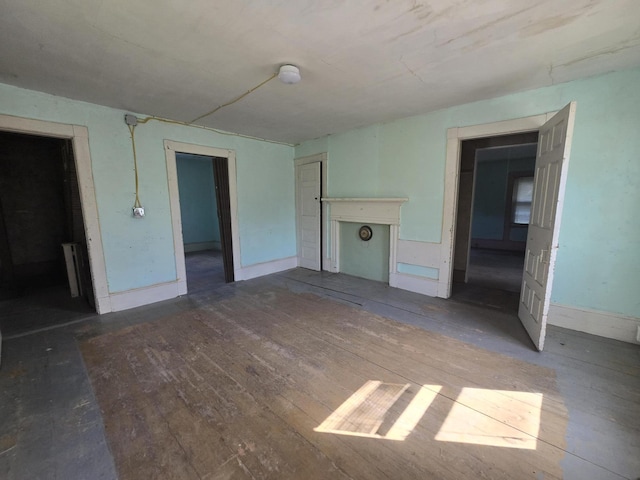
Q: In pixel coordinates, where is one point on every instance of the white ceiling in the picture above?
(362, 61)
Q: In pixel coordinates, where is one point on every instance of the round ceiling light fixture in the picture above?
(289, 74)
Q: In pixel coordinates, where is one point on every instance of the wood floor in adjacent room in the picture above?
(306, 375)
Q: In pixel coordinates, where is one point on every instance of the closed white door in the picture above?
(308, 215)
(552, 162)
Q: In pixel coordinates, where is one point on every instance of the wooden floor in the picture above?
(238, 390)
(314, 375)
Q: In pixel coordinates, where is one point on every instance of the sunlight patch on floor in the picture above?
(497, 418)
(365, 411)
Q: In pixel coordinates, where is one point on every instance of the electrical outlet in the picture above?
(138, 212)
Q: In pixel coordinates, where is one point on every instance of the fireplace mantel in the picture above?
(385, 211)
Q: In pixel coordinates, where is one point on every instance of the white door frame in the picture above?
(79, 136)
(324, 207)
(171, 147)
(455, 136)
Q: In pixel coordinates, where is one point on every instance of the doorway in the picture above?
(311, 212)
(491, 225)
(206, 220)
(552, 162)
(45, 276)
(203, 198)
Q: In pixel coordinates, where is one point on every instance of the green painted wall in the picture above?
(311, 147)
(198, 206)
(365, 259)
(598, 261)
(140, 253)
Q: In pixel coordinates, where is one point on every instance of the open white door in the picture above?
(308, 214)
(552, 162)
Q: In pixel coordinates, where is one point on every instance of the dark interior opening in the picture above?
(40, 210)
(489, 243)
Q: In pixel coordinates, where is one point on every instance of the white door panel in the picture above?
(552, 162)
(308, 214)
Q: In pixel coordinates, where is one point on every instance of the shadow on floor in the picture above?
(496, 269)
(485, 297)
(32, 309)
(494, 280)
(205, 271)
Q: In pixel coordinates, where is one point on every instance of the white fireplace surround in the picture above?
(382, 211)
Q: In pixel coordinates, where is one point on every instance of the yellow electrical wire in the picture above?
(235, 99)
(132, 129)
(215, 130)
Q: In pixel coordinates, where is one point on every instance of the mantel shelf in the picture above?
(385, 211)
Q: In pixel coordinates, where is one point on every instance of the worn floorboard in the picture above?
(183, 395)
(597, 376)
(243, 367)
(50, 423)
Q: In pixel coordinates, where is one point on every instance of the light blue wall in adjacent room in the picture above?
(490, 196)
(140, 252)
(598, 260)
(489, 200)
(198, 206)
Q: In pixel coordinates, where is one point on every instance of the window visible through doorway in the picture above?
(522, 194)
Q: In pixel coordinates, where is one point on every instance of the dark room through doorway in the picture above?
(494, 201)
(45, 278)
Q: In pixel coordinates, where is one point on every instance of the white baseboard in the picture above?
(165, 291)
(199, 246)
(326, 264)
(413, 283)
(266, 268)
(443, 288)
(144, 296)
(103, 304)
(603, 324)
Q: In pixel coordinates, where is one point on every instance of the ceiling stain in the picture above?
(632, 43)
(425, 15)
(492, 23)
(547, 24)
(412, 72)
(421, 11)
(557, 21)
(404, 34)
